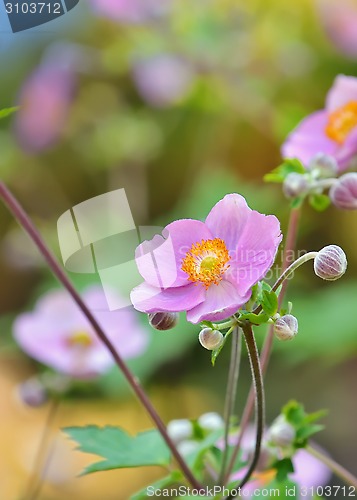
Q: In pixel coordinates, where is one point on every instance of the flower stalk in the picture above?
(26, 223)
(336, 468)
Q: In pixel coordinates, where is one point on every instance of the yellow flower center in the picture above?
(80, 338)
(341, 122)
(206, 262)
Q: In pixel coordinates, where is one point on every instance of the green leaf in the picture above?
(305, 432)
(119, 449)
(269, 302)
(319, 202)
(174, 478)
(8, 111)
(255, 319)
(283, 467)
(195, 458)
(294, 413)
(289, 166)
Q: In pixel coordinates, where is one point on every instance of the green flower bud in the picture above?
(330, 263)
(163, 320)
(286, 327)
(210, 339)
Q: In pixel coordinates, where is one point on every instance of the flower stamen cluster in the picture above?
(341, 122)
(206, 262)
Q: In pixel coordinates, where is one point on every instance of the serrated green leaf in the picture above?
(269, 302)
(119, 449)
(305, 432)
(283, 468)
(290, 165)
(8, 111)
(319, 202)
(174, 478)
(312, 417)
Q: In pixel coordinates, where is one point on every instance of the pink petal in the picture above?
(221, 301)
(309, 138)
(159, 261)
(147, 298)
(347, 151)
(343, 90)
(256, 251)
(228, 218)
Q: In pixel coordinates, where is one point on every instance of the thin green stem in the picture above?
(231, 393)
(37, 474)
(336, 468)
(26, 223)
(291, 236)
(259, 401)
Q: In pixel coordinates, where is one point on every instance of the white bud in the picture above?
(187, 447)
(163, 320)
(326, 165)
(211, 421)
(286, 327)
(330, 263)
(343, 194)
(179, 430)
(295, 185)
(210, 339)
(32, 393)
(281, 433)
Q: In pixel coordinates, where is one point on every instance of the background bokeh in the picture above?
(179, 103)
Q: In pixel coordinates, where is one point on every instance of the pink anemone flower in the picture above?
(58, 334)
(339, 19)
(331, 131)
(207, 268)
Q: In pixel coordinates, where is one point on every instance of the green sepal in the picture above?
(290, 165)
(118, 448)
(255, 319)
(283, 467)
(319, 202)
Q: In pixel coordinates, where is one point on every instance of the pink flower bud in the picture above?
(330, 263)
(33, 393)
(286, 327)
(163, 320)
(295, 185)
(281, 432)
(210, 339)
(343, 194)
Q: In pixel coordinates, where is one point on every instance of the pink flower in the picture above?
(129, 11)
(332, 131)
(162, 80)
(44, 105)
(207, 268)
(57, 333)
(340, 22)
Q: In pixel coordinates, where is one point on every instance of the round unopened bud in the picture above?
(325, 165)
(32, 393)
(281, 433)
(330, 263)
(343, 194)
(179, 430)
(295, 185)
(210, 339)
(286, 327)
(163, 320)
(211, 421)
(185, 448)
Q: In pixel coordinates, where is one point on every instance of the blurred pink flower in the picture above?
(129, 11)
(331, 131)
(339, 19)
(162, 80)
(44, 103)
(57, 333)
(207, 268)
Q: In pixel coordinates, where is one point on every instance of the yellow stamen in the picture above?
(206, 262)
(80, 338)
(341, 122)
